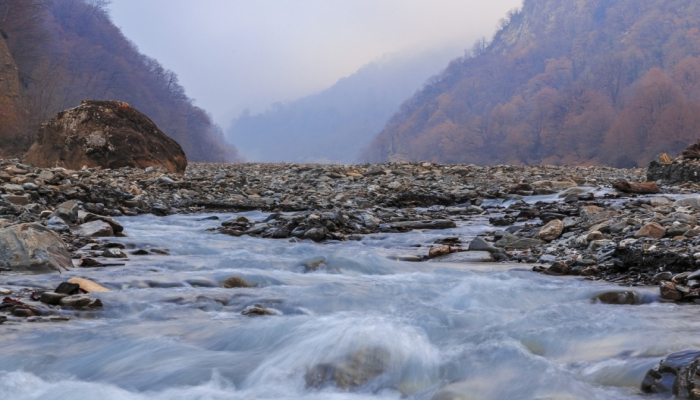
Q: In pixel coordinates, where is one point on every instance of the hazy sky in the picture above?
(237, 54)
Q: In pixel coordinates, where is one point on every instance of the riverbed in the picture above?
(439, 331)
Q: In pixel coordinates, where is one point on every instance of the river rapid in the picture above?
(441, 331)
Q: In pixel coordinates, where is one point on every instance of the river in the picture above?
(429, 330)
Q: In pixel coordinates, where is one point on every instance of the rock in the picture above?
(350, 373)
(620, 297)
(52, 298)
(94, 229)
(81, 302)
(676, 374)
(439, 251)
(19, 200)
(479, 244)
(465, 257)
(437, 224)
(669, 291)
(651, 230)
(692, 202)
(67, 211)
(552, 230)
(88, 285)
(56, 224)
(116, 226)
(32, 248)
(639, 188)
(595, 235)
(236, 282)
(68, 288)
(525, 243)
(107, 134)
(315, 234)
(257, 310)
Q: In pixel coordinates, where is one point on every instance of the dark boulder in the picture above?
(676, 374)
(107, 134)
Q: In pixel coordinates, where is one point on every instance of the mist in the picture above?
(237, 55)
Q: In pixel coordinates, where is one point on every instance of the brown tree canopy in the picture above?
(67, 51)
(563, 82)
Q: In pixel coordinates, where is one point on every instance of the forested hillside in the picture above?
(333, 125)
(56, 53)
(563, 82)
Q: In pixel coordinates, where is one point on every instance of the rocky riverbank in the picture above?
(583, 224)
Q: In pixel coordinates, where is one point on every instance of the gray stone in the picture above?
(57, 224)
(94, 229)
(465, 257)
(315, 234)
(479, 244)
(67, 211)
(526, 243)
(436, 224)
(52, 298)
(32, 248)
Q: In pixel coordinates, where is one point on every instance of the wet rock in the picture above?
(351, 373)
(257, 310)
(552, 230)
(479, 244)
(107, 134)
(465, 257)
(68, 288)
(81, 302)
(437, 224)
(439, 251)
(95, 229)
(621, 297)
(116, 226)
(32, 248)
(236, 282)
(676, 374)
(315, 234)
(52, 298)
(651, 230)
(525, 243)
(670, 292)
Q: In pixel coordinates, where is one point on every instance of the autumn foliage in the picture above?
(574, 82)
(67, 51)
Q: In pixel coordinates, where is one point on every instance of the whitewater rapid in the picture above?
(447, 331)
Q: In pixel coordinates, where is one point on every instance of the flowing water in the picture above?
(429, 330)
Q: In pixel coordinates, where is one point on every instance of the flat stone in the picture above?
(18, 200)
(651, 230)
(81, 301)
(526, 243)
(479, 244)
(436, 224)
(465, 257)
(52, 298)
(95, 229)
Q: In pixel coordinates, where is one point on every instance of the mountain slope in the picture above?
(67, 51)
(333, 125)
(563, 82)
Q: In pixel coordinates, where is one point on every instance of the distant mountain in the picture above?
(333, 125)
(563, 82)
(56, 53)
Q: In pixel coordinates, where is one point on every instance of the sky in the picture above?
(235, 54)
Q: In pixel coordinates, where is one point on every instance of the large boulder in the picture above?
(107, 134)
(32, 248)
